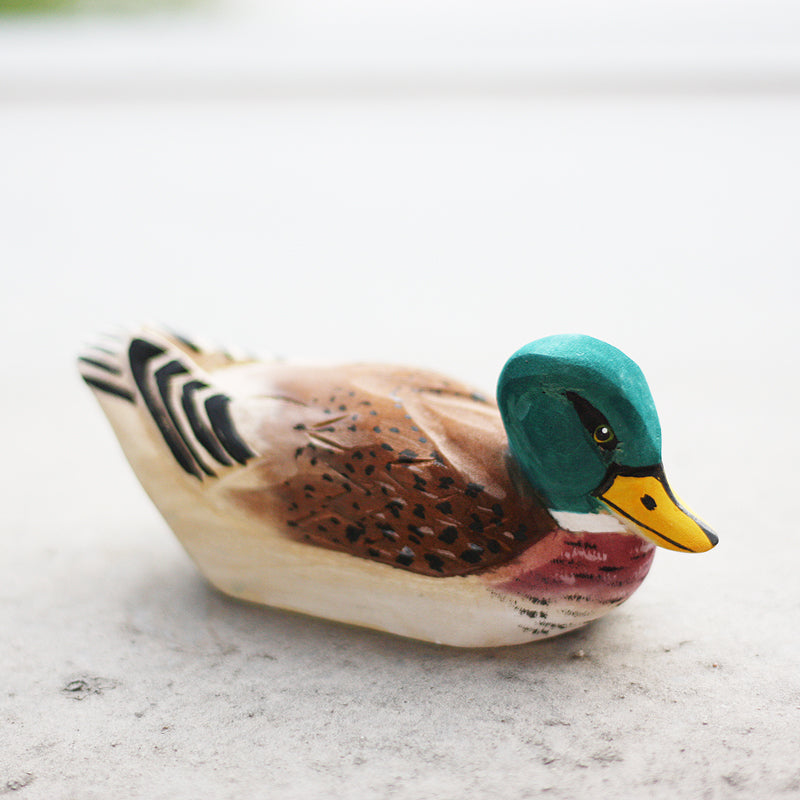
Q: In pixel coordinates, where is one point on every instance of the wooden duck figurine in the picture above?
(398, 499)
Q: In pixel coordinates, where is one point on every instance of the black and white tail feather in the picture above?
(165, 375)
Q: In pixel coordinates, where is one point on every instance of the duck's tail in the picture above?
(156, 386)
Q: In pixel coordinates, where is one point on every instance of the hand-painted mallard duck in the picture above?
(398, 499)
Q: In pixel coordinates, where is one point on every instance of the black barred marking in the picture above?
(140, 353)
(101, 365)
(109, 388)
(218, 410)
(163, 377)
(220, 440)
(186, 342)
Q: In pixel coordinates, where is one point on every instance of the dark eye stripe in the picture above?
(592, 420)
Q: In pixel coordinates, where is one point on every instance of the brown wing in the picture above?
(397, 466)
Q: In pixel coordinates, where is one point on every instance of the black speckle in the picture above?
(405, 556)
(373, 552)
(299, 427)
(472, 554)
(369, 469)
(387, 530)
(377, 429)
(497, 510)
(493, 546)
(435, 562)
(449, 534)
(342, 407)
(387, 446)
(445, 507)
(308, 488)
(394, 507)
(354, 533)
(407, 455)
(446, 482)
(299, 452)
(648, 502)
(478, 398)
(476, 524)
(473, 489)
(422, 440)
(358, 455)
(419, 511)
(349, 467)
(521, 533)
(327, 477)
(394, 430)
(352, 428)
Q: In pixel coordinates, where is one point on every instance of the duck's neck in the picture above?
(596, 522)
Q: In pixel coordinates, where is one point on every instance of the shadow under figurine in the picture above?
(399, 499)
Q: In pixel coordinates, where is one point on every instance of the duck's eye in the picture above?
(595, 423)
(603, 434)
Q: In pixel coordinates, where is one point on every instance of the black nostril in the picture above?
(648, 502)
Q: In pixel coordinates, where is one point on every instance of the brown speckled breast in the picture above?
(397, 466)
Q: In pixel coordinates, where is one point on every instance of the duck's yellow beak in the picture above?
(644, 498)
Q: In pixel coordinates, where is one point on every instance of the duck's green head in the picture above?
(582, 424)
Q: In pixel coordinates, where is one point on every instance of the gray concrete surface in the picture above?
(438, 230)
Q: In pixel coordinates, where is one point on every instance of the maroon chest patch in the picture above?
(604, 568)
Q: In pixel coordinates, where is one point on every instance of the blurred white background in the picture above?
(434, 183)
